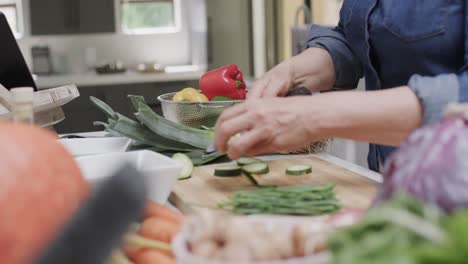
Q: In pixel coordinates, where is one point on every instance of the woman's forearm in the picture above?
(383, 117)
(313, 69)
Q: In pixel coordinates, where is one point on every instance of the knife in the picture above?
(301, 91)
(99, 225)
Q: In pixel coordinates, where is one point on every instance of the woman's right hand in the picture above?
(275, 83)
(312, 69)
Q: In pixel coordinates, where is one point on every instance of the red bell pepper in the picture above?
(227, 81)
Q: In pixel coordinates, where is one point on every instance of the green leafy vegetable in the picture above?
(104, 107)
(403, 231)
(163, 127)
(157, 133)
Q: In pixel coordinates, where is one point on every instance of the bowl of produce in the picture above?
(193, 114)
(219, 89)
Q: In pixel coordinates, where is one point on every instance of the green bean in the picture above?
(292, 200)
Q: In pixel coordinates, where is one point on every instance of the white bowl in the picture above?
(160, 172)
(93, 146)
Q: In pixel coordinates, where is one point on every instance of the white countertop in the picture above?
(176, 73)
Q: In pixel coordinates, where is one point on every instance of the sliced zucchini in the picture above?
(251, 178)
(247, 161)
(256, 168)
(187, 168)
(228, 171)
(298, 170)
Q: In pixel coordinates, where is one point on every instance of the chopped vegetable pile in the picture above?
(291, 200)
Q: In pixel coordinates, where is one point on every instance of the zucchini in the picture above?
(297, 170)
(187, 169)
(177, 132)
(251, 178)
(247, 161)
(228, 171)
(256, 168)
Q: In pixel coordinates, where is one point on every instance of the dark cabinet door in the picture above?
(51, 17)
(96, 16)
(57, 17)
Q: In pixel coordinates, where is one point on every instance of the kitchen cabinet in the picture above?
(58, 17)
(50, 17)
(96, 16)
(80, 113)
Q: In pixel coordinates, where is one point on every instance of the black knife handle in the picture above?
(100, 224)
(301, 91)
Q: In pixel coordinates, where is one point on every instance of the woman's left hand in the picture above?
(267, 126)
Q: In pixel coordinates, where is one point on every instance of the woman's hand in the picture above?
(266, 126)
(277, 82)
(312, 69)
(271, 125)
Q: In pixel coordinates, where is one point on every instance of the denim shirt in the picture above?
(392, 43)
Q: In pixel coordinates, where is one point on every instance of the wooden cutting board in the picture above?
(204, 190)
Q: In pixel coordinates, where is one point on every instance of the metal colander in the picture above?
(193, 114)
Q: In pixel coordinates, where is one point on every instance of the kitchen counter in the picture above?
(371, 175)
(173, 73)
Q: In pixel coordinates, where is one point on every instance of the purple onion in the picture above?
(433, 164)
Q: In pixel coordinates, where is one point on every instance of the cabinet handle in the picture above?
(67, 8)
(78, 14)
(74, 15)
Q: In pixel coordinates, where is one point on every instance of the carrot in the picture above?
(135, 243)
(153, 209)
(130, 250)
(159, 229)
(148, 256)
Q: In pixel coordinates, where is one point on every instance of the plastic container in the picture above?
(160, 172)
(95, 146)
(23, 104)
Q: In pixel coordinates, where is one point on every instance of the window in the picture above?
(149, 16)
(10, 9)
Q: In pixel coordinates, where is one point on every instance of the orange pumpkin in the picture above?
(41, 187)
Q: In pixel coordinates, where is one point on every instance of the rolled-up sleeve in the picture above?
(435, 93)
(347, 66)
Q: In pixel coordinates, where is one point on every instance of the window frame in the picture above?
(18, 5)
(150, 31)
